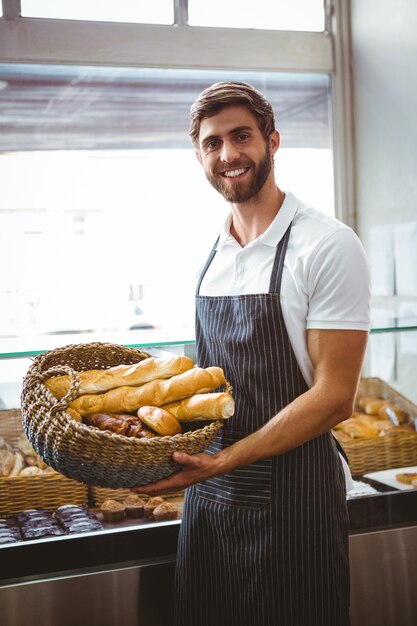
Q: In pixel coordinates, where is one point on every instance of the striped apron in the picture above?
(267, 544)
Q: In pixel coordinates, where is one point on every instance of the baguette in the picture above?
(202, 406)
(95, 381)
(159, 420)
(153, 393)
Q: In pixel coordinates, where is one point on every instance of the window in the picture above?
(297, 15)
(105, 210)
(305, 15)
(159, 12)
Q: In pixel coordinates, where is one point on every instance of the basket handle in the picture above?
(72, 393)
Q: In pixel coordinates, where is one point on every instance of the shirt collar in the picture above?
(275, 231)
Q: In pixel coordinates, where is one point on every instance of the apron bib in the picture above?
(267, 544)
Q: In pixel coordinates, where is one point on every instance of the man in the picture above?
(282, 306)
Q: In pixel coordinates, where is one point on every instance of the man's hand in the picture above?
(196, 468)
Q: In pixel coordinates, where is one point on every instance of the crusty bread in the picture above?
(362, 426)
(203, 406)
(154, 393)
(96, 381)
(364, 400)
(374, 406)
(159, 420)
(393, 413)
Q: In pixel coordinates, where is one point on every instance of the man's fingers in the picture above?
(182, 458)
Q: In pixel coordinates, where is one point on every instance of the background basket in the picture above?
(18, 493)
(394, 449)
(87, 454)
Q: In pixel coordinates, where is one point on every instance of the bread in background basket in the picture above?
(56, 431)
(381, 433)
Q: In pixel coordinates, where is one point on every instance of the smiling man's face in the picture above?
(236, 158)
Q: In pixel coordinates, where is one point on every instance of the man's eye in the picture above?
(242, 136)
(212, 145)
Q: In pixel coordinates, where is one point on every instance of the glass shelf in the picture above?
(29, 346)
(393, 324)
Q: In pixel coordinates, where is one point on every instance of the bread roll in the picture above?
(153, 393)
(374, 406)
(203, 406)
(354, 415)
(383, 426)
(357, 427)
(159, 420)
(7, 461)
(393, 413)
(95, 381)
(363, 401)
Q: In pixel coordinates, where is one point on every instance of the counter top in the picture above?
(137, 544)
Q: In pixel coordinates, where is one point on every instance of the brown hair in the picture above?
(214, 98)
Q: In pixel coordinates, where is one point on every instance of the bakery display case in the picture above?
(116, 569)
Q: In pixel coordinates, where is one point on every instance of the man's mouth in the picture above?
(234, 173)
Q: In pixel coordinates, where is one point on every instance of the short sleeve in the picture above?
(339, 284)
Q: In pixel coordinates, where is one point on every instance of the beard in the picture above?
(244, 191)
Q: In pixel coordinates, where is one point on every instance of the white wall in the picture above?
(384, 68)
(384, 46)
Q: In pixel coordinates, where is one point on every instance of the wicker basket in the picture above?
(18, 493)
(394, 449)
(87, 454)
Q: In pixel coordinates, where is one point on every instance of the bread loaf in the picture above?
(203, 406)
(95, 381)
(153, 393)
(159, 420)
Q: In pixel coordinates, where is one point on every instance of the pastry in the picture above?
(165, 511)
(113, 511)
(357, 427)
(31, 471)
(151, 505)
(406, 477)
(135, 505)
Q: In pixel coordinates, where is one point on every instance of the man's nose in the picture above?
(229, 152)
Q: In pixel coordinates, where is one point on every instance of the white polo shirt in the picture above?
(325, 280)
